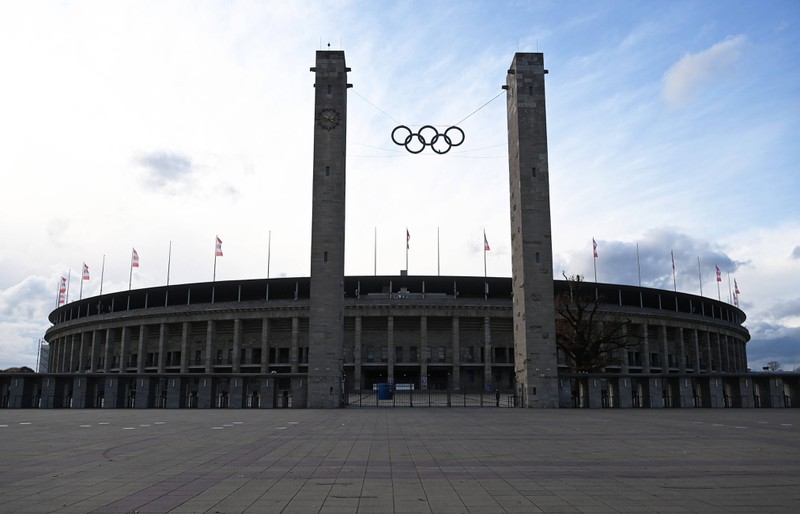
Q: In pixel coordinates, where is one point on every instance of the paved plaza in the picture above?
(400, 460)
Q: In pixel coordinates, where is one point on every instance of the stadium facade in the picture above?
(328, 340)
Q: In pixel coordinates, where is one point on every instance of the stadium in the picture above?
(329, 341)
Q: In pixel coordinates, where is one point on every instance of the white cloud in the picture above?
(684, 80)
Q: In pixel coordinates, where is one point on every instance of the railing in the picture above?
(430, 398)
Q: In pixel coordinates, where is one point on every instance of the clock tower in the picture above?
(326, 302)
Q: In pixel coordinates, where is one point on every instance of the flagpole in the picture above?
(269, 250)
(699, 275)
(408, 237)
(69, 279)
(674, 283)
(594, 258)
(58, 289)
(719, 279)
(80, 291)
(730, 295)
(485, 275)
(214, 277)
(438, 255)
(484, 255)
(375, 251)
(638, 265)
(102, 272)
(169, 260)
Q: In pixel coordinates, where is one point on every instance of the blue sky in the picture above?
(672, 125)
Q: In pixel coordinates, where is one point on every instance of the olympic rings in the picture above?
(440, 142)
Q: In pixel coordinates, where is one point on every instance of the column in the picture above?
(664, 349)
(682, 355)
(645, 348)
(82, 353)
(423, 352)
(487, 352)
(696, 343)
(265, 345)
(185, 347)
(163, 331)
(107, 353)
(123, 349)
(456, 358)
(93, 352)
(390, 348)
(237, 345)
(210, 346)
(357, 355)
(626, 368)
(142, 350)
(293, 350)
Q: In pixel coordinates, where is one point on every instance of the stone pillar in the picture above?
(357, 355)
(237, 346)
(93, 351)
(682, 355)
(696, 352)
(664, 349)
(685, 392)
(236, 391)
(184, 349)
(123, 349)
(163, 332)
(264, 348)
(390, 349)
(710, 360)
(625, 400)
(143, 392)
(107, 352)
(718, 352)
(487, 354)
(456, 358)
(294, 348)
(82, 353)
(645, 348)
(142, 350)
(423, 352)
(209, 354)
(70, 367)
(625, 363)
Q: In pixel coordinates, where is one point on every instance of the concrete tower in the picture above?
(326, 304)
(535, 355)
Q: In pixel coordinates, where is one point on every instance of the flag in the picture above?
(219, 247)
(485, 244)
(62, 290)
(408, 238)
(134, 259)
(736, 287)
(719, 274)
(85, 272)
(594, 247)
(673, 259)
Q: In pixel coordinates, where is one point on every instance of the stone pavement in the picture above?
(400, 460)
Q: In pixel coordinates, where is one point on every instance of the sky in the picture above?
(672, 128)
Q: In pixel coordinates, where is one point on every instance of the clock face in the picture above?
(328, 118)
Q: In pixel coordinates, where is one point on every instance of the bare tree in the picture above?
(773, 366)
(588, 339)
